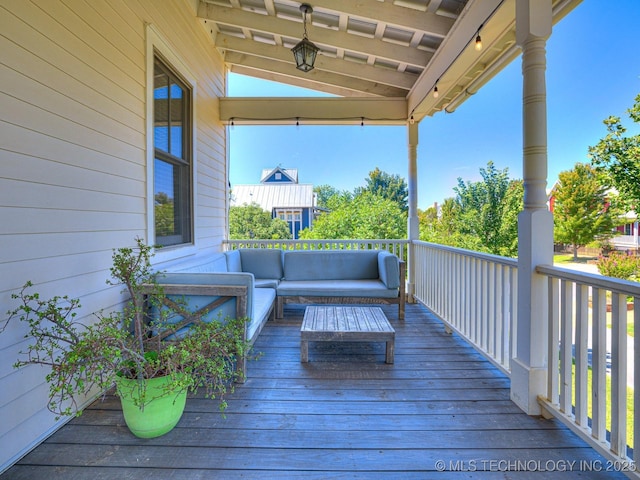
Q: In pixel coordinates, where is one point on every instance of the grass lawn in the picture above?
(568, 258)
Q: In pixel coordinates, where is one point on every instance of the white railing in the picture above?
(474, 294)
(397, 247)
(591, 384)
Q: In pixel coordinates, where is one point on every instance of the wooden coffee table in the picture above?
(345, 323)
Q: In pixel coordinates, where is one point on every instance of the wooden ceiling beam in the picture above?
(325, 63)
(316, 111)
(302, 82)
(318, 35)
(315, 75)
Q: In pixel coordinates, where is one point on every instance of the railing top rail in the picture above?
(594, 280)
(510, 262)
(339, 240)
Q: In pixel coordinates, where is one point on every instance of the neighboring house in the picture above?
(280, 194)
(627, 238)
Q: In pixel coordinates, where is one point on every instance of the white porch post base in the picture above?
(527, 383)
(529, 365)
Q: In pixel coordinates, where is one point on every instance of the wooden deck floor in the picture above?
(346, 414)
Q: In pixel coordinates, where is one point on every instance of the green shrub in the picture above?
(619, 265)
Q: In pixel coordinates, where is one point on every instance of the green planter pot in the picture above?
(161, 412)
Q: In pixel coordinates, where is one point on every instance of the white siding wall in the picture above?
(73, 162)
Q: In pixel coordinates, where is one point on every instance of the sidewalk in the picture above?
(583, 267)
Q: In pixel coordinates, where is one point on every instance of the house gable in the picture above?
(279, 175)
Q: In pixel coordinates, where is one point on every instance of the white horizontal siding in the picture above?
(73, 162)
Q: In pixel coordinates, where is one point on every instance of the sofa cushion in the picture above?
(263, 300)
(336, 288)
(331, 265)
(262, 262)
(234, 263)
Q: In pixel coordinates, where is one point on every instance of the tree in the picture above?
(582, 212)
(393, 187)
(329, 197)
(250, 221)
(443, 227)
(618, 157)
(513, 203)
(428, 220)
(366, 216)
(164, 214)
(487, 211)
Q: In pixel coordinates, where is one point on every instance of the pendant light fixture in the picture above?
(305, 52)
(478, 46)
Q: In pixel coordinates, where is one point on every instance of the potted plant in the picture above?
(151, 356)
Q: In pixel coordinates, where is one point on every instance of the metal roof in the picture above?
(274, 195)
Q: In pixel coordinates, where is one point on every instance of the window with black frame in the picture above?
(173, 157)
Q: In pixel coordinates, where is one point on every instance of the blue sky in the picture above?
(593, 71)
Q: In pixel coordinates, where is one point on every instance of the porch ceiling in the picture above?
(372, 48)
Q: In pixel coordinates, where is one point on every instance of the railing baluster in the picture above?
(582, 331)
(554, 340)
(494, 308)
(618, 374)
(636, 382)
(599, 364)
(566, 341)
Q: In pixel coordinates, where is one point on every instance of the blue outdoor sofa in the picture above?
(256, 283)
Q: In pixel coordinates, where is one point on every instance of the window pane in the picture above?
(176, 127)
(176, 141)
(161, 110)
(165, 201)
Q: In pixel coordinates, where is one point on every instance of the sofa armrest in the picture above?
(210, 279)
(389, 269)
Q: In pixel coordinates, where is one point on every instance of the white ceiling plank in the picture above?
(390, 14)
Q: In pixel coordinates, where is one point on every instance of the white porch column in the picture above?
(413, 225)
(535, 222)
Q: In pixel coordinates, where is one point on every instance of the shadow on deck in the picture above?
(441, 411)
